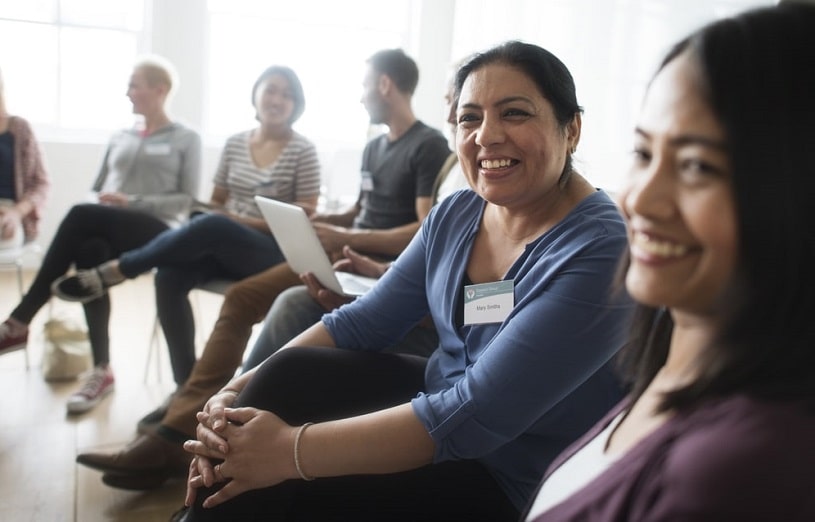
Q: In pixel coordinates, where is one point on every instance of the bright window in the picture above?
(66, 63)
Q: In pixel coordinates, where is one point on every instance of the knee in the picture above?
(294, 310)
(92, 252)
(297, 297)
(238, 294)
(79, 212)
(77, 221)
(285, 366)
(208, 225)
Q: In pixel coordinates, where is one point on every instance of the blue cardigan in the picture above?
(511, 394)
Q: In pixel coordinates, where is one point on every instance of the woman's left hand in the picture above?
(260, 454)
(114, 199)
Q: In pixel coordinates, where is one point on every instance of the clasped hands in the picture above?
(245, 448)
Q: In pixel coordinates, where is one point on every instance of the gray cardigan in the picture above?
(160, 172)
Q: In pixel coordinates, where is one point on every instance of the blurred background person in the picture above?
(23, 185)
(148, 178)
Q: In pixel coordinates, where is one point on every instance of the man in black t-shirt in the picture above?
(398, 168)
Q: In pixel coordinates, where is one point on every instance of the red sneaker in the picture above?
(10, 343)
(98, 385)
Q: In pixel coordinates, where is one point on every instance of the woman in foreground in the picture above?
(721, 421)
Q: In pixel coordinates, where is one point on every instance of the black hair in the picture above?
(551, 76)
(397, 66)
(758, 76)
(294, 84)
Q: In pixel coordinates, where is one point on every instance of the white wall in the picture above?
(72, 168)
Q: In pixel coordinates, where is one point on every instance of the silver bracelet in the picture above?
(297, 451)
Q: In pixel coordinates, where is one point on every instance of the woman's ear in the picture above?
(573, 132)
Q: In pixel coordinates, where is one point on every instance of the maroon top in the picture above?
(30, 178)
(737, 458)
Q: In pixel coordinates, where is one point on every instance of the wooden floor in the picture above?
(39, 479)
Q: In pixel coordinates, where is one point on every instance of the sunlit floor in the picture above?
(39, 442)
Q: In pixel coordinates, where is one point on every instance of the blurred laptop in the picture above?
(299, 243)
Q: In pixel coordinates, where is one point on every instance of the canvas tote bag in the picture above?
(67, 351)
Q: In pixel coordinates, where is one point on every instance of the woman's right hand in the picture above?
(209, 433)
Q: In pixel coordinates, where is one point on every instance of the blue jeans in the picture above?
(209, 246)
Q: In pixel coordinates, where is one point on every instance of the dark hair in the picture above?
(757, 75)
(294, 84)
(553, 79)
(397, 66)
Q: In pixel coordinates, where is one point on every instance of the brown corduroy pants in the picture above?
(245, 304)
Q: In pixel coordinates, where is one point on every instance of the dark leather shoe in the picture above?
(146, 455)
(140, 482)
(150, 422)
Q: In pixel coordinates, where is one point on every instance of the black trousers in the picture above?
(319, 384)
(89, 235)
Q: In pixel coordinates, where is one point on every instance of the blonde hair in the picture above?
(158, 71)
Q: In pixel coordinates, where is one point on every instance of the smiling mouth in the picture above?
(497, 164)
(657, 247)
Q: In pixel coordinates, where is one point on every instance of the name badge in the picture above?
(367, 184)
(158, 149)
(488, 302)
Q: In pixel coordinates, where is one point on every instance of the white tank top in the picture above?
(581, 468)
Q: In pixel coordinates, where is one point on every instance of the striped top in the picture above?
(295, 175)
